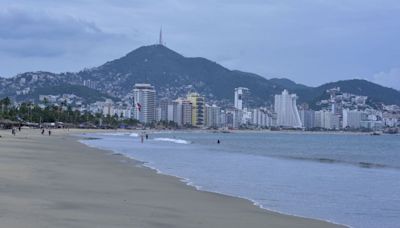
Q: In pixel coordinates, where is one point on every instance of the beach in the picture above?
(55, 181)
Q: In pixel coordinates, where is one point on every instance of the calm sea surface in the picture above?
(347, 179)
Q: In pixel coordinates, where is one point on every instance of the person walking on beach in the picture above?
(42, 131)
(147, 136)
(141, 138)
(49, 132)
(13, 131)
(218, 142)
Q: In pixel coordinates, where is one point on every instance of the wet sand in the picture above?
(55, 181)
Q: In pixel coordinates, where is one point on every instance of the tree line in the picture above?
(29, 112)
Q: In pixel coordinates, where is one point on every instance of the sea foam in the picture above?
(134, 135)
(178, 141)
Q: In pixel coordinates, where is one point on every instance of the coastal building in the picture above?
(223, 118)
(182, 112)
(246, 116)
(177, 112)
(286, 109)
(164, 102)
(144, 100)
(352, 118)
(307, 118)
(390, 119)
(158, 114)
(327, 120)
(261, 118)
(213, 116)
(108, 108)
(233, 118)
(170, 112)
(242, 95)
(198, 109)
(372, 124)
(186, 112)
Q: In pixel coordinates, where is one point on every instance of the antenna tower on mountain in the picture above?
(160, 41)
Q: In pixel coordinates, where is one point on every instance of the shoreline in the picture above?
(188, 183)
(155, 200)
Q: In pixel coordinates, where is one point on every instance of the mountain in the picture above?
(28, 86)
(288, 84)
(376, 93)
(175, 75)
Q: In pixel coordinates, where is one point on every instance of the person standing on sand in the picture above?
(218, 141)
(49, 132)
(13, 131)
(147, 136)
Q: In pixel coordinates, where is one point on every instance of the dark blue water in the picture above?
(347, 179)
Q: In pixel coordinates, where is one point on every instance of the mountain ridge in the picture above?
(175, 75)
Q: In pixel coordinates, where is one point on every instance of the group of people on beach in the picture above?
(14, 130)
(43, 131)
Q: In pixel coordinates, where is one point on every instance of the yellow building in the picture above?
(198, 109)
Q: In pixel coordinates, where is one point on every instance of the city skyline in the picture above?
(43, 37)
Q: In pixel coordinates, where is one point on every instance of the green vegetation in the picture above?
(28, 112)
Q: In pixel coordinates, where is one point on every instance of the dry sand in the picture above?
(55, 181)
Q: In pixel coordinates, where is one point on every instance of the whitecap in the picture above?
(179, 141)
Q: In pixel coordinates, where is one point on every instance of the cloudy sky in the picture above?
(309, 41)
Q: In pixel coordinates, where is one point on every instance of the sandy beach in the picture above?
(55, 181)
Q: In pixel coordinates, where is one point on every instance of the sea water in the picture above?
(344, 178)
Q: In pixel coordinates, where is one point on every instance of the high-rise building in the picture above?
(233, 118)
(326, 119)
(352, 118)
(144, 96)
(241, 97)
(261, 118)
(164, 102)
(286, 109)
(182, 112)
(170, 116)
(198, 109)
(186, 112)
(213, 116)
(177, 112)
(307, 118)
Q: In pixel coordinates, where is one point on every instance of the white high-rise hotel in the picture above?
(286, 110)
(241, 97)
(145, 103)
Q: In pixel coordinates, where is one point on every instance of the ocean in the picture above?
(350, 179)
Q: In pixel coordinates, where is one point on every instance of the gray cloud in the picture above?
(37, 33)
(309, 41)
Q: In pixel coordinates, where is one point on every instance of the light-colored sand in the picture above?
(57, 182)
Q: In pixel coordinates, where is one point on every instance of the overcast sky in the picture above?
(308, 41)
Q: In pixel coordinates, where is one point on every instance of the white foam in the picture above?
(179, 141)
(134, 135)
(113, 134)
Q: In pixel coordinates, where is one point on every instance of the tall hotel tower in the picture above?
(198, 109)
(286, 110)
(144, 96)
(241, 97)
